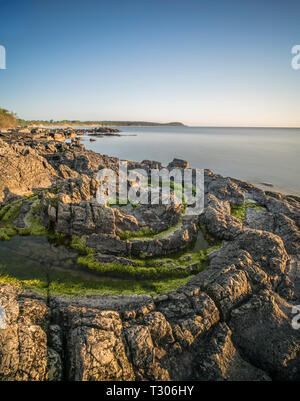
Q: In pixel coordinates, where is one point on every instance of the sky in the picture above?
(204, 63)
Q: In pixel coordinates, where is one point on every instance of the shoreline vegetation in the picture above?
(9, 119)
(77, 123)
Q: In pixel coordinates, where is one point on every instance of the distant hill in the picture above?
(10, 120)
(140, 123)
(74, 123)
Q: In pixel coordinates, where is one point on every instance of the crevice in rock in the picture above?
(248, 358)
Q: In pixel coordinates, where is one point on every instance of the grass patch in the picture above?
(33, 222)
(79, 244)
(146, 233)
(58, 283)
(133, 272)
(77, 287)
(26, 276)
(254, 206)
(240, 211)
(7, 232)
(8, 214)
(151, 268)
(143, 233)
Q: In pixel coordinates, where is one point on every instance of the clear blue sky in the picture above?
(200, 62)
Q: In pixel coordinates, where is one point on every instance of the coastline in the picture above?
(260, 181)
(170, 310)
(275, 188)
(202, 305)
(104, 124)
(149, 194)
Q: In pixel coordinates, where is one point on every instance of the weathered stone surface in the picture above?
(220, 360)
(178, 163)
(227, 190)
(22, 169)
(259, 220)
(95, 348)
(232, 321)
(88, 217)
(23, 341)
(286, 228)
(262, 330)
(217, 218)
(109, 244)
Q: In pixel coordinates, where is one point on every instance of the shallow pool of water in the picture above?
(30, 257)
(43, 266)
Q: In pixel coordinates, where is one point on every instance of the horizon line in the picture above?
(169, 123)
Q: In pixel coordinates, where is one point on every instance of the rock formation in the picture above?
(232, 321)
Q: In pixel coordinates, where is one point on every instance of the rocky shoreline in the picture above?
(54, 134)
(232, 320)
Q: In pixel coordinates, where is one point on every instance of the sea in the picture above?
(267, 157)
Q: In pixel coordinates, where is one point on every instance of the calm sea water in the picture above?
(259, 155)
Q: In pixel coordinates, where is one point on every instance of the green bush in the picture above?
(7, 119)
